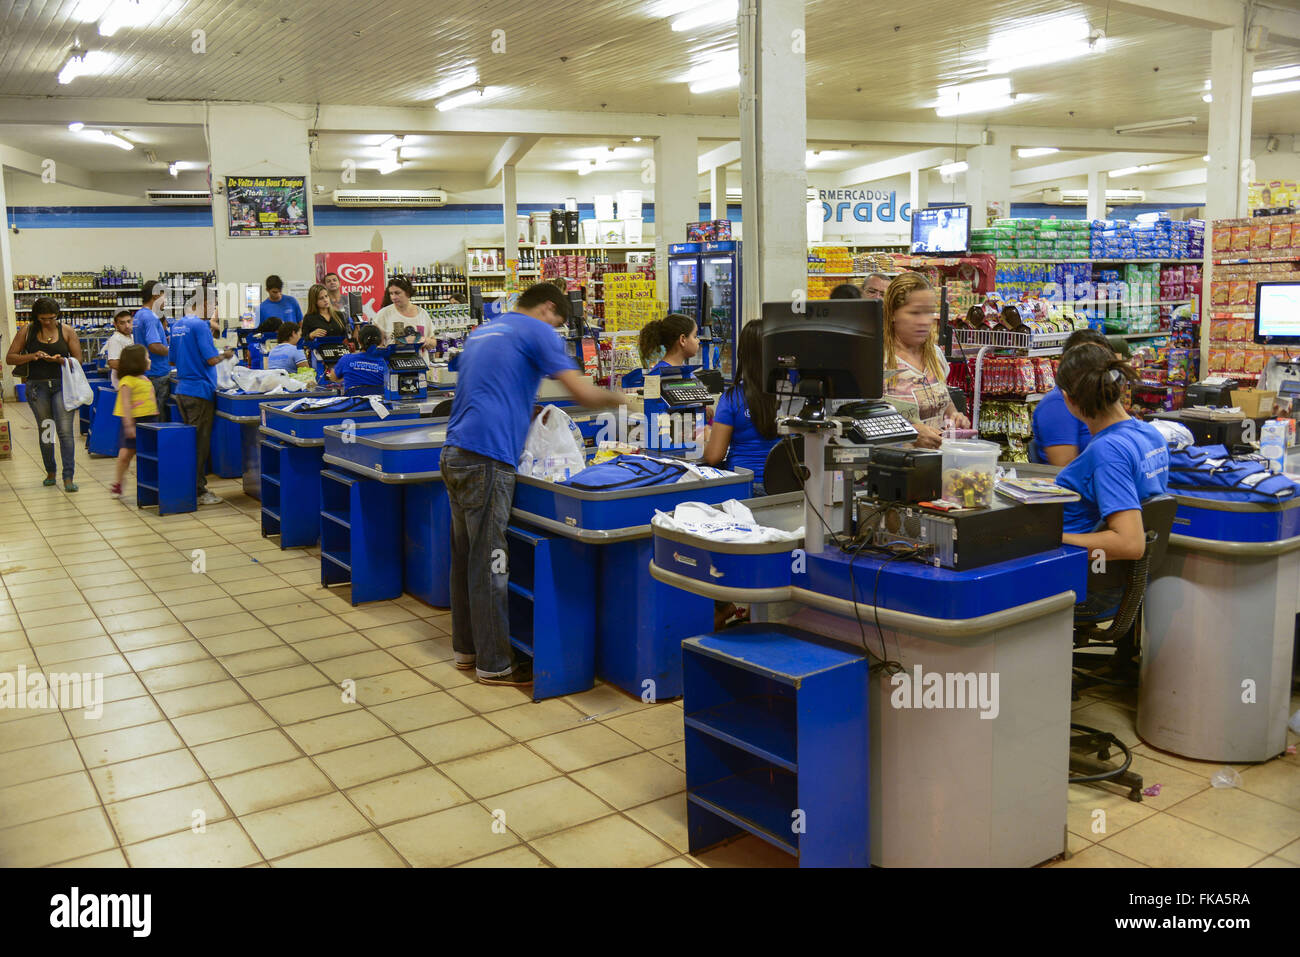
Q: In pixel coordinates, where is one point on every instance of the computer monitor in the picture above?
(836, 347)
(355, 306)
(941, 230)
(1277, 313)
(476, 302)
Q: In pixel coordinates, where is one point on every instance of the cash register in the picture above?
(324, 352)
(406, 378)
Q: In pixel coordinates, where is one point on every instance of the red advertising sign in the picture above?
(362, 273)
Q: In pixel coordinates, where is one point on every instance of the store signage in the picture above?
(361, 273)
(267, 205)
(848, 207)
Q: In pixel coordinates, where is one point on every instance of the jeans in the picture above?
(1100, 605)
(481, 491)
(45, 396)
(162, 390)
(200, 414)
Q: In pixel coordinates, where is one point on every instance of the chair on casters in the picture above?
(1122, 634)
(442, 409)
(783, 470)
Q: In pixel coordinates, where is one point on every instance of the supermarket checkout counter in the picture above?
(236, 445)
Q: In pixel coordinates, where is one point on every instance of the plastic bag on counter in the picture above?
(729, 522)
(553, 449)
(224, 379)
(268, 381)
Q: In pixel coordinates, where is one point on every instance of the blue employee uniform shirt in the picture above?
(1124, 464)
(286, 310)
(748, 448)
(500, 369)
(362, 372)
(191, 348)
(285, 356)
(688, 372)
(146, 330)
(1055, 425)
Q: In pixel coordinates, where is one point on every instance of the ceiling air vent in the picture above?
(390, 197)
(179, 197)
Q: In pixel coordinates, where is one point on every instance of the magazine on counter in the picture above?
(1033, 491)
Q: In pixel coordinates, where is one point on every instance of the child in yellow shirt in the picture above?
(135, 403)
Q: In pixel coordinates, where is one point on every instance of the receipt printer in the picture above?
(904, 474)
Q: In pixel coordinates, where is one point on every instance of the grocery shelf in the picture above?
(1127, 303)
(1103, 260)
(43, 292)
(1259, 259)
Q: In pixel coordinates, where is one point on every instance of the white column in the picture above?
(677, 197)
(1231, 66)
(509, 209)
(919, 181)
(10, 321)
(988, 181)
(773, 138)
(718, 192)
(250, 140)
(1097, 183)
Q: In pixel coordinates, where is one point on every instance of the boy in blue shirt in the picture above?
(195, 353)
(147, 330)
(287, 355)
(1058, 436)
(277, 307)
(501, 367)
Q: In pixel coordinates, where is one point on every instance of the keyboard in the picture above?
(685, 394)
(884, 426)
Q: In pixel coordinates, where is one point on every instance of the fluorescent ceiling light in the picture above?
(128, 13)
(721, 64)
(1130, 170)
(585, 168)
(1272, 76)
(718, 12)
(460, 80)
(1033, 151)
(602, 153)
(391, 144)
(83, 63)
(713, 84)
(468, 97)
(77, 126)
(173, 169)
(636, 139)
(974, 97)
(814, 157)
(1156, 125)
(1269, 89)
(118, 141)
(951, 169)
(387, 165)
(1207, 98)
(1206, 158)
(88, 11)
(1062, 38)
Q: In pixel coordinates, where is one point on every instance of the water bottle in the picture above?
(1272, 443)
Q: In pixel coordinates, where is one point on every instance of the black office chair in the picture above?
(442, 409)
(1122, 634)
(783, 471)
(711, 379)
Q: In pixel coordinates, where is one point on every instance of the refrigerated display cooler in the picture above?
(704, 283)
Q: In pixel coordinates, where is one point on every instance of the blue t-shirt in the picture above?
(1055, 425)
(286, 310)
(191, 348)
(500, 369)
(748, 448)
(285, 356)
(146, 330)
(362, 372)
(1124, 464)
(688, 372)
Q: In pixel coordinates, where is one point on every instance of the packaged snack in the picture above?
(1240, 239)
(1236, 360)
(1222, 239)
(1283, 235)
(1255, 360)
(1260, 236)
(1240, 330)
(1239, 293)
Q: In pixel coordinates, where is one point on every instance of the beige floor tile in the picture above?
(362, 851)
(376, 616)
(223, 758)
(183, 676)
(530, 720)
(408, 632)
(390, 687)
(56, 654)
(1276, 780)
(493, 772)
(209, 697)
(409, 714)
(11, 661)
(224, 646)
(302, 577)
(199, 610)
(360, 666)
(320, 627)
(111, 716)
(104, 859)
(223, 844)
(306, 705)
(746, 851)
(682, 861)
(518, 856)
(129, 743)
(1097, 855)
(267, 599)
(264, 659)
(1163, 840)
(166, 812)
(665, 819)
(337, 731)
(484, 698)
(1242, 816)
(633, 780)
(456, 739)
(1098, 814)
(1275, 862)
(417, 654)
(54, 634)
(193, 594)
(650, 727)
(592, 743)
(121, 687)
(139, 620)
(270, 684)
(446, 675)
(611, 841)
(221, 723)
(272, 786)
(674, 754)
(605, 701)
(227, 624)
(56, 839)
(333, 646)
(298, 611)
(1291, 852)
(158, 772)
(27, 732)
(126, 604)
(61, 615)
(449, 837)
(546, 807)
(164, 656)
(41, 761)
(1114, 715)
(132, 640)
(296, 827)
(362, 763)
(407, 795)
(48, 797)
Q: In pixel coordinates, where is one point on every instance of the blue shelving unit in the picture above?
(165, 467)
(552, 615)
(271, 450)
(360, 535)
(776, 743)
(105, 427)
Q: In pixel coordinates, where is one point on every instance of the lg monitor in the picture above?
(476, 303)
(941, 230)
(834, 347)
(1277, 313)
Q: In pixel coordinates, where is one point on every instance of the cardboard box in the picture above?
(1254, 403)
(6, 447)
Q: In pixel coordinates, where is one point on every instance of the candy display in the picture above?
(1153, 236)
(968, 487)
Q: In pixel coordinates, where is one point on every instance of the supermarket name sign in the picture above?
(863, 206)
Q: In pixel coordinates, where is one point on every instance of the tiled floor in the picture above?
(225, 739)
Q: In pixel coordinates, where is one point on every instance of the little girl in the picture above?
(135, 403)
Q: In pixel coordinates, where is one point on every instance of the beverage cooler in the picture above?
(704, 283)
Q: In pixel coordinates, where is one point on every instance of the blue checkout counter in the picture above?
(1220, 612)
(290, 461)
(236, 444)
(948, 788)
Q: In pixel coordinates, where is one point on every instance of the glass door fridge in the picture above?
(720, 309)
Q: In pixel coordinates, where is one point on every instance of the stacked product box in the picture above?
(630, 302)
(6, 441)
(1033, 239)
(826, 268)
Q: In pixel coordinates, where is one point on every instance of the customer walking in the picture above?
(196, 356)
(147, 330)
(135, 404)
(44, 347)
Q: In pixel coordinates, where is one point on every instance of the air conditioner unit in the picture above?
(179, 197)
(1079, 197)
(390, 197)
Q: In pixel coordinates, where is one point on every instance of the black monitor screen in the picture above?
(941, 230)
(1277, 312)
(836, 347)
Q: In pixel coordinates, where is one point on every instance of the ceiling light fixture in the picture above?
(1156, 125)
(128, 13)
(716, 83)
(1130, 170)
(978, 97)
(76, 126)
(467, 97)
(1272, 76)
(392, 144)
(1061, 38)
(460, 80)
(707, 15)
(1206, 158)
(173, 169)
(1033, 151)
(636, 139)
(585, 168)
(83, 63)
(952, 169)
(1270, 89)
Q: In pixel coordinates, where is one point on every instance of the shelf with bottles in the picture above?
(106, 278)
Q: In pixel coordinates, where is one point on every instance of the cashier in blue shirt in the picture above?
(277, 307)
(196, 357)
(147, 330)
(674, 337)
(1058, 436)
(287, 355)
(744, 423)
(362, 373)
(500, 369)
(1126, 463)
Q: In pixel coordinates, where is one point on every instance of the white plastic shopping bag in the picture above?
(269, 381)
(224, 379)
(553, 449)
(76, 390)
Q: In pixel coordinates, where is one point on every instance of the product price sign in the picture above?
(267, 205)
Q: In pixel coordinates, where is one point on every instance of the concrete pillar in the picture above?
(919, 181)
(509, 209)
(718, 192)
(1231, 66)
(677, 197)
(773, 138)
(1097, 183)
(8, 321)
(251, 140)
(988, 181)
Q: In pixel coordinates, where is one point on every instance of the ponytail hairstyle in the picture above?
(904, 285)
(1081, 336)
(369, 336)
(1094, 378)
(660, 335)
(749, 379)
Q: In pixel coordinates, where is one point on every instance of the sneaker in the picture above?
(465, 662)
(115, 490)
(69, 486)
(50, 480)
(522, 675)
(207, 498)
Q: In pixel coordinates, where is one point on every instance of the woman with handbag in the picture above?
(42, 349)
